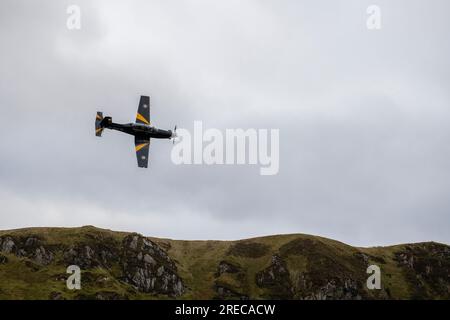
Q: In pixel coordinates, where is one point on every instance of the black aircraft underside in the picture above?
(141, 130)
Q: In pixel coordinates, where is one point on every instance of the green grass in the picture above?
(197, 263)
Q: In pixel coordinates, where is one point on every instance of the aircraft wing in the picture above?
(142, 146)
(143, 113)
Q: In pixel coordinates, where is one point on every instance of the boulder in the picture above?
(148, 268)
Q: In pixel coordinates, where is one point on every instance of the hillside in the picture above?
(118, 265)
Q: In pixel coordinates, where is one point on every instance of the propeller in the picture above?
(174, 134)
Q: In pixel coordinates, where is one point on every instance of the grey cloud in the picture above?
(362, 117)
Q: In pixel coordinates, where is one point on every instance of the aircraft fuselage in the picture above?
(140, 130)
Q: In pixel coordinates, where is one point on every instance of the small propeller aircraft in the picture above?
(141, 130)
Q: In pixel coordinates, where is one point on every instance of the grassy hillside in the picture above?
(118, 265)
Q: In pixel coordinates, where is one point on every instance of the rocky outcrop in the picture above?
(227, 270)
(29, 247)
(7, 245)
(33, 249)
(148, 268)
(427, 267)
(328, 274)
(334, 289)
(227, 267)
(89, 256)
(144, 264)
(276, 279)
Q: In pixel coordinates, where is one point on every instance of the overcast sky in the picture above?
(363, 117)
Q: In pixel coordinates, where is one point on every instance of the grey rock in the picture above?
(86, 256)
(276, 279)
(227, 267)
(148, 268)
(148, 259)
(28, 248)
(42, 256)
(7, 245)
(3, 259)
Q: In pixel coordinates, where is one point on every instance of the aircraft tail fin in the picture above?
(98, 124)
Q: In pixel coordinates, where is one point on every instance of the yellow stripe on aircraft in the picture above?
(98, 130)
(141, 117)
(98, 117)
(140, 146)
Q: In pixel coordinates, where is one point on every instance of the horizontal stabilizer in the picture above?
(98, 124)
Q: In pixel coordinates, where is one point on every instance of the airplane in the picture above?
(141, 130)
